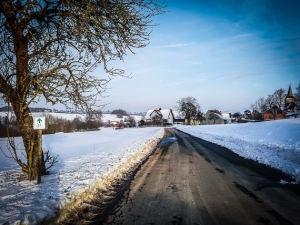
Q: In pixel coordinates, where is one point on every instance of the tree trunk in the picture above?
(30, 141)
(17, 93)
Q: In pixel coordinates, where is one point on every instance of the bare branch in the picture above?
(51, 48)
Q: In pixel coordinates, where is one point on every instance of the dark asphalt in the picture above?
(190, 181)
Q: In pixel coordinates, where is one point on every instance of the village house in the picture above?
(275, 113)
(161, 117)
(217, 117)
(178, 117)
(192, 122)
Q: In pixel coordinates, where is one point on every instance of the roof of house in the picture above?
(279, 110)
(164, 113)
(178, 115)
(224, 116)
(150, 112)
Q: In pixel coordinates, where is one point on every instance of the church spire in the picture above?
(290, 93)
(289, 100)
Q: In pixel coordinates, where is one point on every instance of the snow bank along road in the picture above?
(184, 182)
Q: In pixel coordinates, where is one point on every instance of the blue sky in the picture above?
(225, 53)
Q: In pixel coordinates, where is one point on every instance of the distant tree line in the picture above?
(9, 126)
(32, 109)
(119, 112)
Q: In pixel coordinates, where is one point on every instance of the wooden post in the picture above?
(39, 155)
(39, 123)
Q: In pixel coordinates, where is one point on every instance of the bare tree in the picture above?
(270, 101)
(200, 117)
(279, 97)
(260, 105)
(130, 120)
(94, 115)
(189, 107)
(237, 116)
(49, 49)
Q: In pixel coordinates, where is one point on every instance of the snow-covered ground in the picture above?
(71, 116)
(84, 159)
(112, 117)
(274, 143)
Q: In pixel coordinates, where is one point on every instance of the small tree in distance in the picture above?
(189, 107)
(119, 112)
(279, 96)
(237, 116)
(130, 120)
(200, 117)
(260, 105)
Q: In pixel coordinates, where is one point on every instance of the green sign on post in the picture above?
(39, 123)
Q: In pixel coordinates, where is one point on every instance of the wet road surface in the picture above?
(184, 182)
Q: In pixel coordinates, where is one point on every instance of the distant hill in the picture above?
(5, 109)
(39, 110)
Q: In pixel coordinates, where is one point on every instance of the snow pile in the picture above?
(85, 159)
(274, 143)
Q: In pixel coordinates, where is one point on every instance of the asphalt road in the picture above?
(184, 182)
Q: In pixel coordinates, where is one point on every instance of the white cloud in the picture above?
(177, 45)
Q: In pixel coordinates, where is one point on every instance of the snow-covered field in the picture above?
(274, 143)
(71, 116)
(84, 159)
(112, 117)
